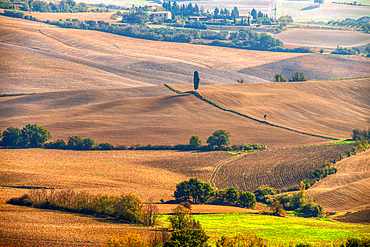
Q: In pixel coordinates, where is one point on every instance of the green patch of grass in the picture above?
(280, 231)
(15, 94)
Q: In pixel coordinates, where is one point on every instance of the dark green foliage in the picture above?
(62, 6)
(187, 238)
(327, 170)
(303, 245)
(75, 142)
(34, 136)
(58, 144)
(310, 209)
(88, 143)
(359, 135)
(219, 139)
(136, 17)
(124, 207)
(247, 199)
(195, 142)
(298, 76)
(14, 13)
(11, 137)
(263, 192)
(5, 4)
(194, 191)
(355, 242)
(279, 78)
(106, 146)
(346, 51)
(196, 80)
(232, 196)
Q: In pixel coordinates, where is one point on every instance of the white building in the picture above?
(161, 15)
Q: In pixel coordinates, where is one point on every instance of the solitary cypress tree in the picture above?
(196, 80)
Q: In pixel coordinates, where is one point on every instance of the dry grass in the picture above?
(144, 173)
(109, 116)
(279, 168)
(328, 108)
(347, 190)
(323, 38)
(120, 58)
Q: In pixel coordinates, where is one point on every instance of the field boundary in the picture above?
(195, 93)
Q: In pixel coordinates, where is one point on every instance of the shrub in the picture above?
(298, 76)
(11, 137)
(247, 199)
(277, 209)
(34, 136)
(195, 142)
(310, 209)
(130, 239)
(188, 237)
(14, 13)
(58, 144)
(263, 192)
(279, 78)
(355, 242)
(180, 218)
(150, 214)
(106, 146)
(247, 239)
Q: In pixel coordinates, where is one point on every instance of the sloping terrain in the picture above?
(329, 108)
(314, 66)
(114, 116)
(348, 189)
(281, 168)
(41, 58)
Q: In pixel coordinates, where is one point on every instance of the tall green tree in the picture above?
(247, 199)
(194, 191)
(34, 136)
(195, 142)
(11, 137)
(279, 78)
(219, 139)
(298, 76)
(196, 80)
(254, 14)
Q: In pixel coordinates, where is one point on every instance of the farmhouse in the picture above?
(162, 15)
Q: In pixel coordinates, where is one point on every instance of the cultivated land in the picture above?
(323, 38)
(347, 190)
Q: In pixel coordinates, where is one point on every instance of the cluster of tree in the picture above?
(182, 10)
(297, 76)
(346, 51)
(362, 23)
(125, 207)
(196, 191)
(42, 6)
(360, 135)
(31, 136)
(297, 201)
(14, 13)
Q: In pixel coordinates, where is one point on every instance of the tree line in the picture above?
(34, 136)
(63, 6)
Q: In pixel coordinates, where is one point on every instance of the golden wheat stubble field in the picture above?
(330, 108)
(348, 189)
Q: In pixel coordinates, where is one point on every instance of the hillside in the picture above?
(116, 117)
(98, 60)
(329, 108)
(347, 190)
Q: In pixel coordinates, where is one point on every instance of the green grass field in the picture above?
(280, 231)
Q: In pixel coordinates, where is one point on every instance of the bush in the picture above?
(124, 207)
(195, 142)
(58, 144)
(247, 199)
(355, 242)
(130, 239)
(277, 209)
(298, 76)
(310, 209)
(248, 239)
(188, 237)
(11, 137)
(14, 13)
(279, 78)
(106, 146)
(263, 192)
(34, 136)
(181, 218)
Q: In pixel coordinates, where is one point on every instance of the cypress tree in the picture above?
(196, 80)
